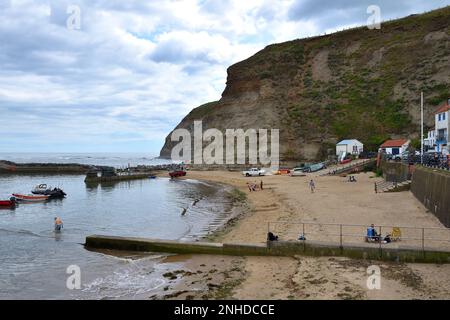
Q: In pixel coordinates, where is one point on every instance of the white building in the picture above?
(395, 147)
(442, 123)
(351, 146)
(430, 140)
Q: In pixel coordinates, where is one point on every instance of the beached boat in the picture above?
(30, 198)
(177, 173)
(7, 204)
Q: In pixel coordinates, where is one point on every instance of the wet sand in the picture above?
(335, 200)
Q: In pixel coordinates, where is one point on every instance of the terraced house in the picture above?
(442, 124)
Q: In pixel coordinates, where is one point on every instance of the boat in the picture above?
(177, 173)
(43, 189)
(30, 198)
(345, 161)
(8, 204)
(40, 189)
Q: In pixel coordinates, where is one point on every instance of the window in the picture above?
(443, 116)
(439, 117)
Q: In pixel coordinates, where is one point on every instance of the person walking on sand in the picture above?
(58, 224)
(312, 185)
(261, 185)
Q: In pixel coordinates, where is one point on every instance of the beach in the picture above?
(288, 199)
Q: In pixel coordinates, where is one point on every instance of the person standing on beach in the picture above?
(261, 185)
(312, 185)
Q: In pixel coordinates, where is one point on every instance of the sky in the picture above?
(118, 76)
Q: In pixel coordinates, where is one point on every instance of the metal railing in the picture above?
(420, 238)
(345, 168)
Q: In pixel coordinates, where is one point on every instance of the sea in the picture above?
(37, 263)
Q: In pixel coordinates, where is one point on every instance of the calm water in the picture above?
(117, 160)
(33, 259)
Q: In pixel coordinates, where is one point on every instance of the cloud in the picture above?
(136, 68)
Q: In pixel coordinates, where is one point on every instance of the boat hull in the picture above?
(7, 204)
(28, 198)
(175, 174)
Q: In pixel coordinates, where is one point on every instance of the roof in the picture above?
(393, 143)
(349, 141)
(444, 107)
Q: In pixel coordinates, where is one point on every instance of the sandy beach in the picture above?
(287, 200)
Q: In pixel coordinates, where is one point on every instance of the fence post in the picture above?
(304, 235)
(379, 240)
(423, 242)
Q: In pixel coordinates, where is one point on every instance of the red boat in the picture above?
(30, 198)
(346, 161)
(7, 204)
(177, 173)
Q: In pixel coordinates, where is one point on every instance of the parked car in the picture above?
(297, 172)
(317, 167)
(283, 171)
(303, 166)
(254, 172)
(367, 155)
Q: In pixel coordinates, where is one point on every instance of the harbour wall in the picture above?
(432, 188)
(275, 248)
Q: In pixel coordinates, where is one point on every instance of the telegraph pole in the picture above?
(421, 127)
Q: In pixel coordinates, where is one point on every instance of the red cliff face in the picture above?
(358, 83)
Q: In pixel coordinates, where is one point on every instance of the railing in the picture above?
(349, 166)
(420, 238)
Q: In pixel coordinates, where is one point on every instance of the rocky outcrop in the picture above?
(357, 83)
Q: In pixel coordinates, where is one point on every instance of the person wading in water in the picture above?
(58, 224)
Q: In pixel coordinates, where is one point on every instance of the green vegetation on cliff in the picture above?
(358, 83)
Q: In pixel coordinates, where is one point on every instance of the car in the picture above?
(298, 172)
(367, 155)
(317, 167)
(254, 172)
(283, 171)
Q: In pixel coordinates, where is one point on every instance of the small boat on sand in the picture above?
(177, 173)
(30, 198)
(8, 204)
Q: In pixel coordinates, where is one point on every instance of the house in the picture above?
(430, 141)
(442, 124)
(351, 146)
(395, 147)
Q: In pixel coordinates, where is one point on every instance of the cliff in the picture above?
(358, 83)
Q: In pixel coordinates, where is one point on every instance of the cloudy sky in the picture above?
(133, 69)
